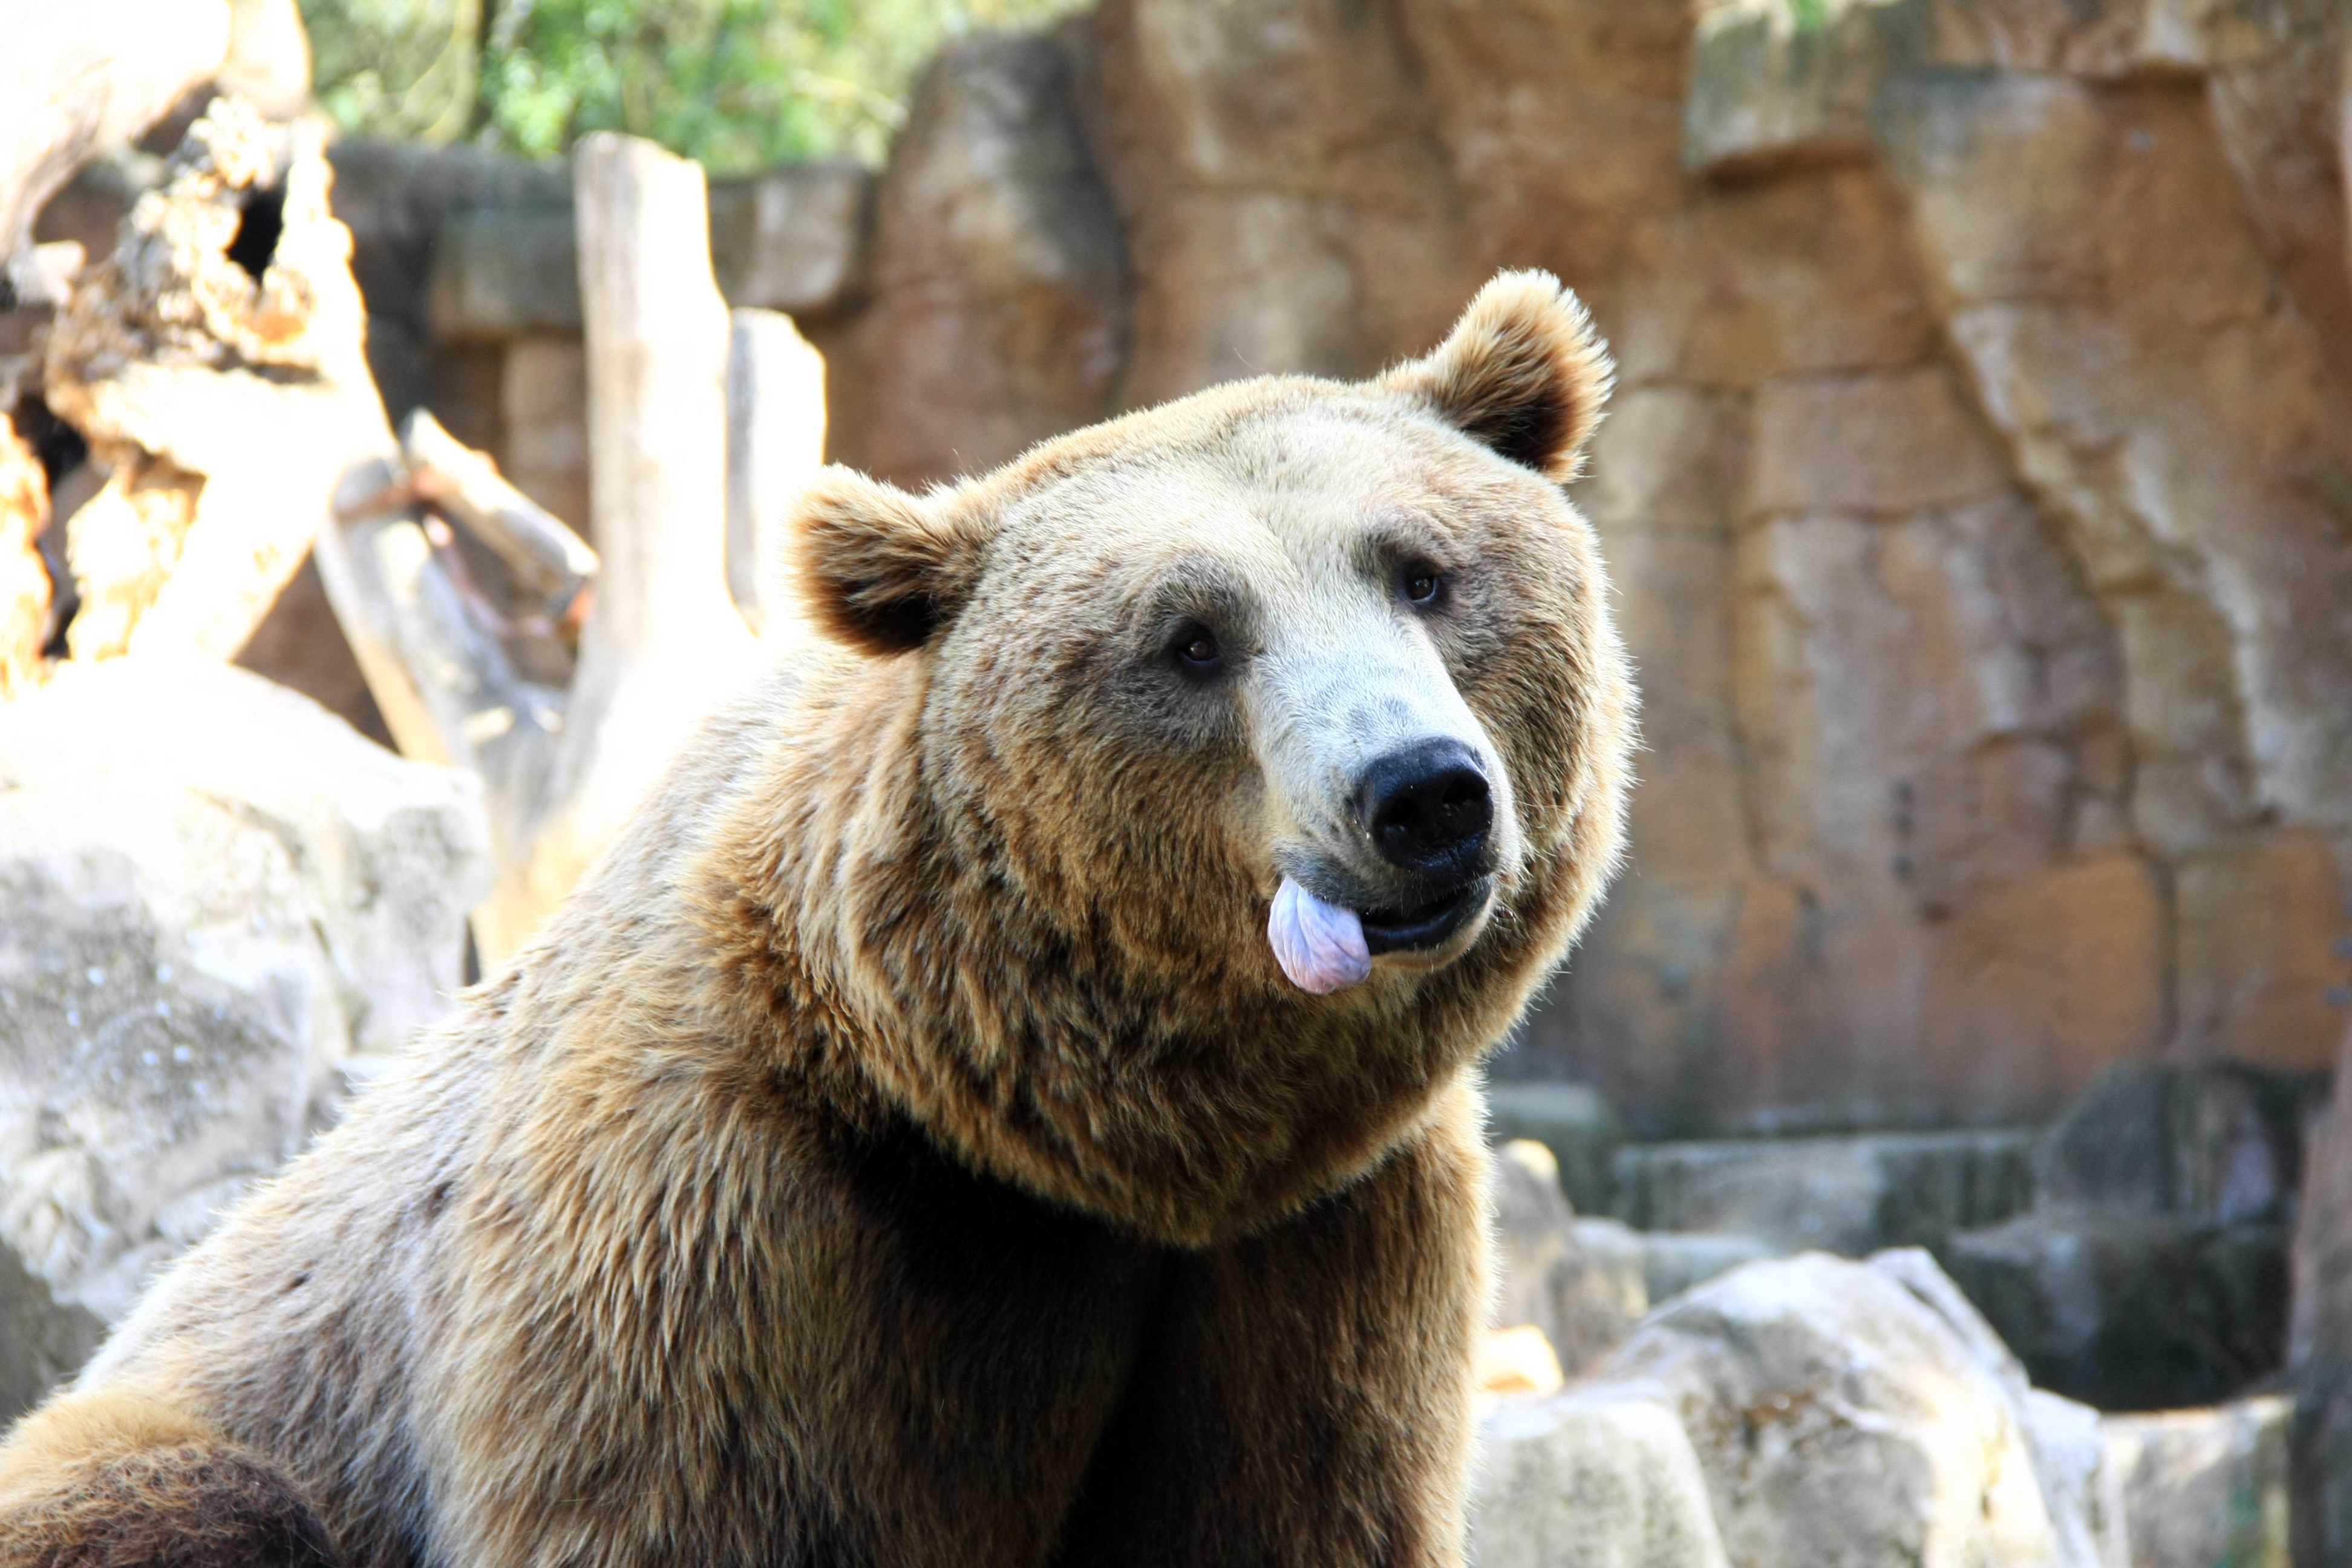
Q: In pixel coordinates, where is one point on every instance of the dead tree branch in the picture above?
(554, 562)
(236, 415)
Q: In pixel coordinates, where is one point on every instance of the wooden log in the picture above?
(78, 77)
(661, 640)
(446, 687)
(775, 444)
(548, 557)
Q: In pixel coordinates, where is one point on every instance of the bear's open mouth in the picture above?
(1424, 926)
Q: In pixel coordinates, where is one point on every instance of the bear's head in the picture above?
(1261, 753)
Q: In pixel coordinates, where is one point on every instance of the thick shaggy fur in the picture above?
(115, 1480)
(903, 1148)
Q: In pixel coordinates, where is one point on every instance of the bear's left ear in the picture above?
(878, 568)
(1521, 373)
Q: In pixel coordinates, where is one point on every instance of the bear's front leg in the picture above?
(1302, 1397)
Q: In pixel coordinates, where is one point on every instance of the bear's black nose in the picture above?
(1427, 807)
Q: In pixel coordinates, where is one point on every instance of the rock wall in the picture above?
(1978, 484)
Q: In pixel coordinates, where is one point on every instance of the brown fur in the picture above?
(116, 1481)
(903, 1148)
(1509, 378)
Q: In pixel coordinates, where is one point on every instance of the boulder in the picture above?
(2205, 1487)
(1842, 1420)
(1584, 1304)
(1621, 1255)
(2087, 1504)
(1643, 1267)
(2222, 1143)
(43, 1341)
(1850, 1195)
(1590, 1479)
(2151, 1271)
(1675, 1261)
(215, 903)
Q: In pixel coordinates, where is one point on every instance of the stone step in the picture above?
(2133, 1253)
(2130, 1311)
(1851, 1196)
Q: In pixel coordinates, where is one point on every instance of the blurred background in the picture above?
(1978, 490)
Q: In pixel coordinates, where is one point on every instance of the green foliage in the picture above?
(735, 83)
(401, 69)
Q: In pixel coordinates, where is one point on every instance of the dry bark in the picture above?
(225, 406)
(75, 79)
(775, 444)
(24, 581)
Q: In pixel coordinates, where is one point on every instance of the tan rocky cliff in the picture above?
(1978, 484)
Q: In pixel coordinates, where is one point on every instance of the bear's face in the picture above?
(1271, 643)
(1293, 698)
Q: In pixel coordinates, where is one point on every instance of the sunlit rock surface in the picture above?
(1839, 1413)
(217, 904)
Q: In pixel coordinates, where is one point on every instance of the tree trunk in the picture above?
(662, 640)
(775, 443)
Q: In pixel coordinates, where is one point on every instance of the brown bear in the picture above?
(1010, 1097)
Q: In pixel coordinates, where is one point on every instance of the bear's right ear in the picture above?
(1522, 373)
(877, 569)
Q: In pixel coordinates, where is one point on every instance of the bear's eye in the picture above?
(1421, 584)
(1196, 648)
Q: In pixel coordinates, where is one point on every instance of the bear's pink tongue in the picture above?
(1321, 946)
